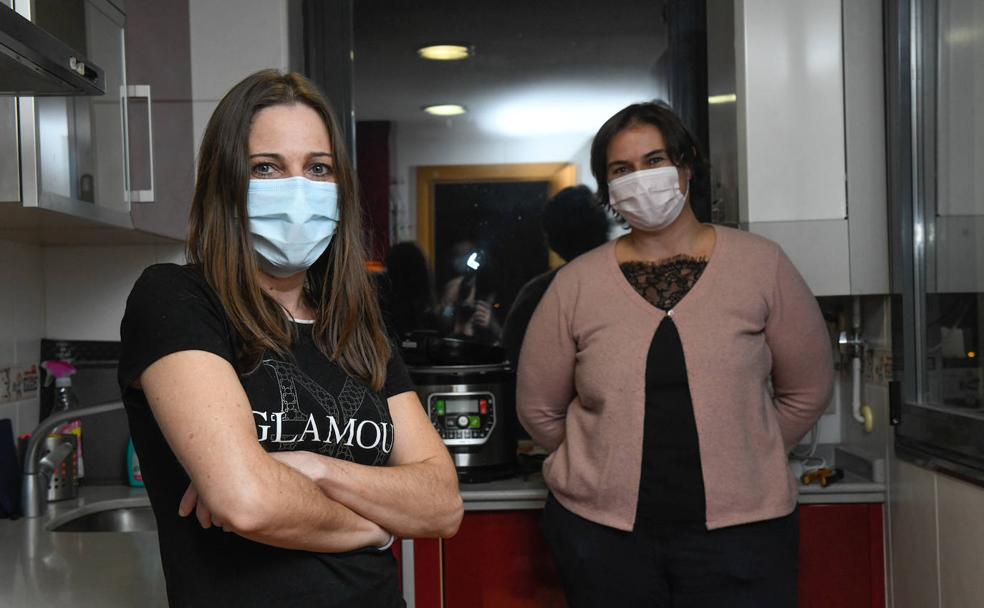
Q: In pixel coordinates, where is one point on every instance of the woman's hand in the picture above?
(191, 501)
(416, 495)
(482, 316)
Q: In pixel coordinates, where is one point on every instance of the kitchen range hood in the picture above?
(33, 62)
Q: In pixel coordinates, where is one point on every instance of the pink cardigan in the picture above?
(581, 386)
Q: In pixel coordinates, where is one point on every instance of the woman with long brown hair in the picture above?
(262, 392)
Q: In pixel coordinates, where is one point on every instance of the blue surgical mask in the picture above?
(292, 221)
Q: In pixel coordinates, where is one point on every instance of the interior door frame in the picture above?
(558, 175)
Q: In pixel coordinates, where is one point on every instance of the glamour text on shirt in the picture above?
(367, 434)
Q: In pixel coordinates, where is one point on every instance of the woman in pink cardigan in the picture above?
(668, 373)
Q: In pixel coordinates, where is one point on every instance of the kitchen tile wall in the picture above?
(86, 287)
(937, 537)
(22, 315)
(73, 293)
(914, 557)
(961, 534)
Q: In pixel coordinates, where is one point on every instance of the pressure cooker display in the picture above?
(461, 406)
(462, 419)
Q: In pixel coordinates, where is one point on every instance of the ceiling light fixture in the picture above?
(446, 52)
(716, 99)
(445, 109)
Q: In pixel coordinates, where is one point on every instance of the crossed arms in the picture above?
(298, 500)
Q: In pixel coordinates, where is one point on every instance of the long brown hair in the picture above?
(348, 326)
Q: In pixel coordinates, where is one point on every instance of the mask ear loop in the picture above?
(686, 192)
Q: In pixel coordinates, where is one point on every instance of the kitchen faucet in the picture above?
(33, 485)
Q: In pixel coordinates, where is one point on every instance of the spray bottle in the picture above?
(65, 400)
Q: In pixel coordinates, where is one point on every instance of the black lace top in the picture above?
(664, 283)
(671, 485)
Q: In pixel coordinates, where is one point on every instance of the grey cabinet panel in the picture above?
(159, 58)
(158, 47)
(9, 169)
(174, 172)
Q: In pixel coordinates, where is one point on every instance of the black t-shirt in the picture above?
(303, 402)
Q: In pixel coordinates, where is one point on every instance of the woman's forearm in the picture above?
(419, 499)
(286, 509)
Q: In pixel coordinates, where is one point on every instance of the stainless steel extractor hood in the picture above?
(33, 62)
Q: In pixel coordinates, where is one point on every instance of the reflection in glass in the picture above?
(488, 244)
(955, 263)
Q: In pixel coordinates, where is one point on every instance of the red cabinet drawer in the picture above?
(499, 559)
(842, 558)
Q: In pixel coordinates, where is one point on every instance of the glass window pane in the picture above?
(954, 302)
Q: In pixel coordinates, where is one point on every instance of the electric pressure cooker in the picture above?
(468, 392)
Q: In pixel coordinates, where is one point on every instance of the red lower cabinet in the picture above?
(842, 557)
(499, 559)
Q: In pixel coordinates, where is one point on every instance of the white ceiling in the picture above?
(539, 66)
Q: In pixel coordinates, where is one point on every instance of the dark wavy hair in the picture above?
(681, 147)
(348, 327)
(574, 222)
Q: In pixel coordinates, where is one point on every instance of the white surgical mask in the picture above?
(650, 199)
(292, 221)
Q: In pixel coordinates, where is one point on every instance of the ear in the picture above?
(685, 176)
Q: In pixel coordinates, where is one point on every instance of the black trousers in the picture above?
(674, 565)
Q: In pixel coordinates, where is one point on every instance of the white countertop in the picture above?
(42, 569)
(531, 493)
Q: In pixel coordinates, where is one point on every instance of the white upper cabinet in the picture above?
(790, 102)
(807, 128)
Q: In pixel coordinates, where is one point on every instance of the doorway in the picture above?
(489, 216)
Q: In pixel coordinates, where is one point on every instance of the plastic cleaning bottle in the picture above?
(134, 477)
(65, 400)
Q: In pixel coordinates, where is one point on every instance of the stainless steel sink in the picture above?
(112, 516)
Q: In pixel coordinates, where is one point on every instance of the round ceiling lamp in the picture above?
(445, 109)
(446, 52)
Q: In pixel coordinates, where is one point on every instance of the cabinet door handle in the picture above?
(142, 91)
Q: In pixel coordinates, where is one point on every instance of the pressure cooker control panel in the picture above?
(462, 418)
